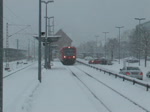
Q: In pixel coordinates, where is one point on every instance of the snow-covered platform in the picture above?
(59, 92)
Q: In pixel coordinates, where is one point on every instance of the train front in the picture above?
(69, 55)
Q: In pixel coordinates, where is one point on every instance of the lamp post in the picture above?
(50, 32)
(105, 42)
(49, 26)
(96, 45)
(119, 27)
(46, 32)
(139, 19)
(39, 47)
(1, 55)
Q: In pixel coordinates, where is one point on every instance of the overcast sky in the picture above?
(82, 20)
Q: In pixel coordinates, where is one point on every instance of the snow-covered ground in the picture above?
(60, 91)
(116, 67)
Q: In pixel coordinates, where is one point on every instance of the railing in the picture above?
(134, 81)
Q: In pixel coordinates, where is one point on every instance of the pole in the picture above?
(46, 46)
(96, 46)
(53, 26)
(29, 50)
(1, 55)
(39, 50)
(119, 27)
(50, 33)
(7, 47)
(139, 19)
(17, 47)
(46, 38)
(49, 27)
(34, 49)
(105, 42)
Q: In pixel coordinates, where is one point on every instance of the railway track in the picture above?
(17, 71)
(82, 76)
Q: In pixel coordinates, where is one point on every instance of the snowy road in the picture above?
(60, 91)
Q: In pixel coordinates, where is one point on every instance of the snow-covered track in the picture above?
(134, 81)
(17, 71)
(94, 95)
(77, 76)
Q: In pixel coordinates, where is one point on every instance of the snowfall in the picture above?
(60, 91)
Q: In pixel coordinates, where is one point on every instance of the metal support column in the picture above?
(1, 55)
(39, 50)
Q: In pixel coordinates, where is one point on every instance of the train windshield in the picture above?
(69, 52)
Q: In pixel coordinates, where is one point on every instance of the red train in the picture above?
(68, 55)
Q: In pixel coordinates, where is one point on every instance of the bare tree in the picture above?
(112, 47)
(145, 42)
(141, 44)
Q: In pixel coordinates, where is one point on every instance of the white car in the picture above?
(132, 72)
(88, 58)
(132, 60)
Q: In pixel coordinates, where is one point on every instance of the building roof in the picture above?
(65, 40)
(63, 35)
(146, 25)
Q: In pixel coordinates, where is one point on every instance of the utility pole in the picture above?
(50, 32)
(119, 27)
(1, 55)
(7, 47)
(34, 48)
(17, 40)
(96, 45)
(39, 49)
(28, 49)
(46, 46)
(139, 38)
(105, 42)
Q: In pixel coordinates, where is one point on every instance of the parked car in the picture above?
(95, 61)
(148, 74)
(88, 58)
(148, 58)
(103, 61)
(132, 60)
(132, 72)
(109, 62)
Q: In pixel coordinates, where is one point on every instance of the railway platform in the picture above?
(59, 92)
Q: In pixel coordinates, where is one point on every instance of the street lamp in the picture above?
(119, 27)
(1, 55)
(105, 42)
(39, 47)
(50, 32)
(96, 45)
(46, 2)
(139, 19)
(49, 26)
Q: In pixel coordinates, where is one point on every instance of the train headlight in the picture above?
(64, 56)
(74, 56)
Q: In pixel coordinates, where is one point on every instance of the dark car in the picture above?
(95, 61)
(104, 61)
(132, 60)
(148, 74)
(132, 72)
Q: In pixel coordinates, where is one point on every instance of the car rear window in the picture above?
(133, 68)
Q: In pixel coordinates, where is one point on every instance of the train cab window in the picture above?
(69, 52)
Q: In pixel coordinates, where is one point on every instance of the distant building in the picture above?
(146, 25)
(14, 54)
(63, 41)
